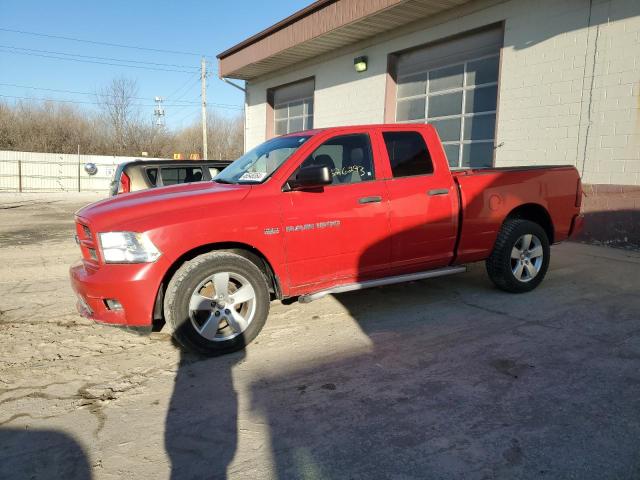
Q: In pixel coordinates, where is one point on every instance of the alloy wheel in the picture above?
(222, 306)
(527, 256)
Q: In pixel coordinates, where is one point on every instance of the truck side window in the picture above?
(408, 154)
(348, 157)
(172, 176)
(152, 174)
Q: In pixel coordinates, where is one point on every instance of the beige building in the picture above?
(505, 83)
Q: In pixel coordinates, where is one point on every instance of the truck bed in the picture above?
(487, 195)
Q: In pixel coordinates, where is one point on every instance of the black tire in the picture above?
(500, 264)
(187, 279)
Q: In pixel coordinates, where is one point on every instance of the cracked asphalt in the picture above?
(445, 378)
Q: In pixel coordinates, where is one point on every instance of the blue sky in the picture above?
(206, 27)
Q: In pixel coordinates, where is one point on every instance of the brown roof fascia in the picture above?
(314, 7)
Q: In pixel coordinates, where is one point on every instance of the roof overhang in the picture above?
(323, 26)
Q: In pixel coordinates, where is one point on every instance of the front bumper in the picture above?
(135, 286)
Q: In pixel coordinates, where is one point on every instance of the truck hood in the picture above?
(140, 211)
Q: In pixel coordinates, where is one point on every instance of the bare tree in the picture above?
(7, 135)
(45, 127)
(225, 137)
(121, 115)
(118, 128)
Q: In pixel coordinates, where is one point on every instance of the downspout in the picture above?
(226, 80)
(244, 117)
(589, 105)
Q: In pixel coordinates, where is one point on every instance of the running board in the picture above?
(440, 272)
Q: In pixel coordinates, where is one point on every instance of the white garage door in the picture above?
(453, 85)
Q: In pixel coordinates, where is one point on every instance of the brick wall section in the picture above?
(569, 93)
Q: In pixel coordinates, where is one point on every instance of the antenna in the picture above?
(158, 112)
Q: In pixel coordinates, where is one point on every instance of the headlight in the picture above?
(127, 247)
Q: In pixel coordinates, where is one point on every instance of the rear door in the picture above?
(423, 203)
(338, 232)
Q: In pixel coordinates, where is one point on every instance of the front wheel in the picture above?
(216, 303)
(520, 256)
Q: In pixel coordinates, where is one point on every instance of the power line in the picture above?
(99, 58)
(100, 63)
(184, 85)
(184, 93)
(119, 45)
(184, 117)
(86, 93)
(181, 109)
(216, 105)
(193, 84)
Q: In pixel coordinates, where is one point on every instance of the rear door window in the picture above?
(408, 154)
(174, 175)
(152, 175)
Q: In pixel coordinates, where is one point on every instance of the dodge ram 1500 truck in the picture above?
(309, 214)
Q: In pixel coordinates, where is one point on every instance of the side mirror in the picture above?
(311, 177)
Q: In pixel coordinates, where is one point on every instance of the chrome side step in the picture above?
(440, 272)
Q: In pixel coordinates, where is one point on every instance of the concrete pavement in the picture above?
(446, 378)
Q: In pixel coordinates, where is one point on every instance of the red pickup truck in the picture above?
(308, 214)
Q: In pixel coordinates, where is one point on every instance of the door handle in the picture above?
(438, 191)
(374, 199)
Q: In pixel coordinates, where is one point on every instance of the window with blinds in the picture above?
(454, 87)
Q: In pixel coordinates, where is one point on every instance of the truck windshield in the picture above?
(258, 164)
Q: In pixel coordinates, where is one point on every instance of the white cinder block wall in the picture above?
(569, 93)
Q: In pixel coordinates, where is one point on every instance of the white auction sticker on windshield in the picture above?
(253, 176)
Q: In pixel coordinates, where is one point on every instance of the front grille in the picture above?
(87, 244)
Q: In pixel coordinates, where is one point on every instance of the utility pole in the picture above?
(203, 81)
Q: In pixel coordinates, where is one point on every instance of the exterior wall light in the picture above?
(360, 64)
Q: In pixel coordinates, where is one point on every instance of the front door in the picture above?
(423, 204)
(339, 233)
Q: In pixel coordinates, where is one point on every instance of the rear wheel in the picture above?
(520, 256)
(216, 303)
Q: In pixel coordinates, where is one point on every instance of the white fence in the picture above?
(55, 172)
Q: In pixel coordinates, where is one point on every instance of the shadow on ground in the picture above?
(201, 432)
(461, 381)
(41, 454)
